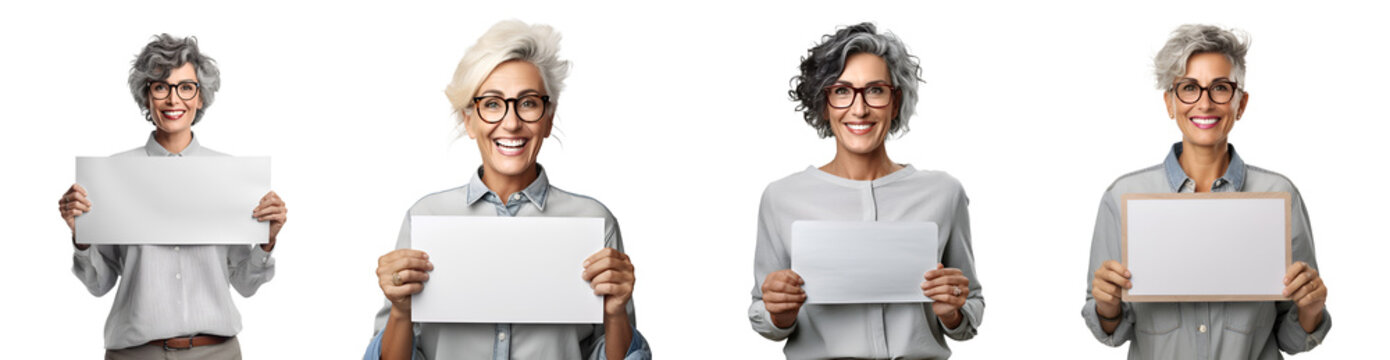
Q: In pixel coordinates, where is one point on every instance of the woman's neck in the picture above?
(506, 185)
(174, 142)
(869, 166)
(1204, 164)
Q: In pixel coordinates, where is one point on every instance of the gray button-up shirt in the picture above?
(878, 331)
(171, 290)
(1202, 330)
(509, 341)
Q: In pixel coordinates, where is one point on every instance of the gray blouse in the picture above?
(887, 331)
(1202, 330)
(171, 290)
(509, 341)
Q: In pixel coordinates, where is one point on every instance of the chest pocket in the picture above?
(1157, 318)
(1245, 317)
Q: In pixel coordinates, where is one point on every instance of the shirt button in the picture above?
(176, 248)
(178, 276)
(501, 336)
(1202, 328)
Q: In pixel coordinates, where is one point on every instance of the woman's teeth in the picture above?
(1204, 122)
(173, 114)
(859, 127)
(510, 146)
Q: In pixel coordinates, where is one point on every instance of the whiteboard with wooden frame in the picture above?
(1233, 246)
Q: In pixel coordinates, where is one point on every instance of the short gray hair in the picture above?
(822, 66)
(1171, 61)
(508, 40)
(161, 56)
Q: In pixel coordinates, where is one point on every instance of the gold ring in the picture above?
(396, 278)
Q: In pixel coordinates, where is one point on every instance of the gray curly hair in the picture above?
(823, 64)
(163, 54)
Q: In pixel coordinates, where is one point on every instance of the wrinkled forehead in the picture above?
(1207, 66)
(511, 78)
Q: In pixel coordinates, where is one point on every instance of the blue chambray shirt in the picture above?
(510, 341)
(1202, 330)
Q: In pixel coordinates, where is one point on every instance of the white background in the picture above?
(676, 117)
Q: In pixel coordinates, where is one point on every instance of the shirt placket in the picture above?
(502, 344)
(1204, 330)
(878, 338)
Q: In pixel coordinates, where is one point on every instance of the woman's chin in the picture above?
(510, 165)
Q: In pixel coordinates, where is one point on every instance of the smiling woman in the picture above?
(504, 93)
(859, 86)
(173, 83)
(1200, 70)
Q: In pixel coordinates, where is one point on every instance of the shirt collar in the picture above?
(1235, 171)
(535, 193)
(153, 148)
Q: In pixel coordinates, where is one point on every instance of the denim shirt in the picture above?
(1202, 330)
(507, 341)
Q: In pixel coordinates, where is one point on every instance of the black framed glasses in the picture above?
(529, 108)
(1220, 91)
(875, 96)
(186, 89)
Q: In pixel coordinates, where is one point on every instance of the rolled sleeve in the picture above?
(97, 267)
(1123, 333)
(770, 256)
(1104, 247)
(1293, 339)
(959, 254)
(250, 267)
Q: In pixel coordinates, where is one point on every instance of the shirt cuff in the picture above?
(374, 347)
(762, 322)
(1296, 339)
(960, 330)
(1121, 333)
(261, 257)
(638, 349)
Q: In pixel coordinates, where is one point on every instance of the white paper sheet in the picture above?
(506, 269)
(1196, 249)
(845, 262)
(173, 200)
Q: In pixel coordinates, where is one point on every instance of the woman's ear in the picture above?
(1244, 99)
(549, 120)
(1169, 106)
(466, 118)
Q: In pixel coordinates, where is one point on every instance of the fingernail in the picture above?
(584, 264)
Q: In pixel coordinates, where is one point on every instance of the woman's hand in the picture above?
(783, 296)
(73, 203)
(1304, 286)
(272, 209)
(1110, 278)
(610, 273)
(402, 273)
(948, 289)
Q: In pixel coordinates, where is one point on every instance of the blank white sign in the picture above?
(506, 269)
(847, 262)
(173, 200)
(1206, 247)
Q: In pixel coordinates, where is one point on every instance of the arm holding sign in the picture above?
(777, 294)
(958, 301)
(97, 268)
(1110, 320)
(1305, 321)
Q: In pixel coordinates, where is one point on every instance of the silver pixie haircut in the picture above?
(1171, 61)
(161, 56)
(822, 66)
(508, 40)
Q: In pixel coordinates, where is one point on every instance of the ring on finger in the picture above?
(956, 292)
(396, 278)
